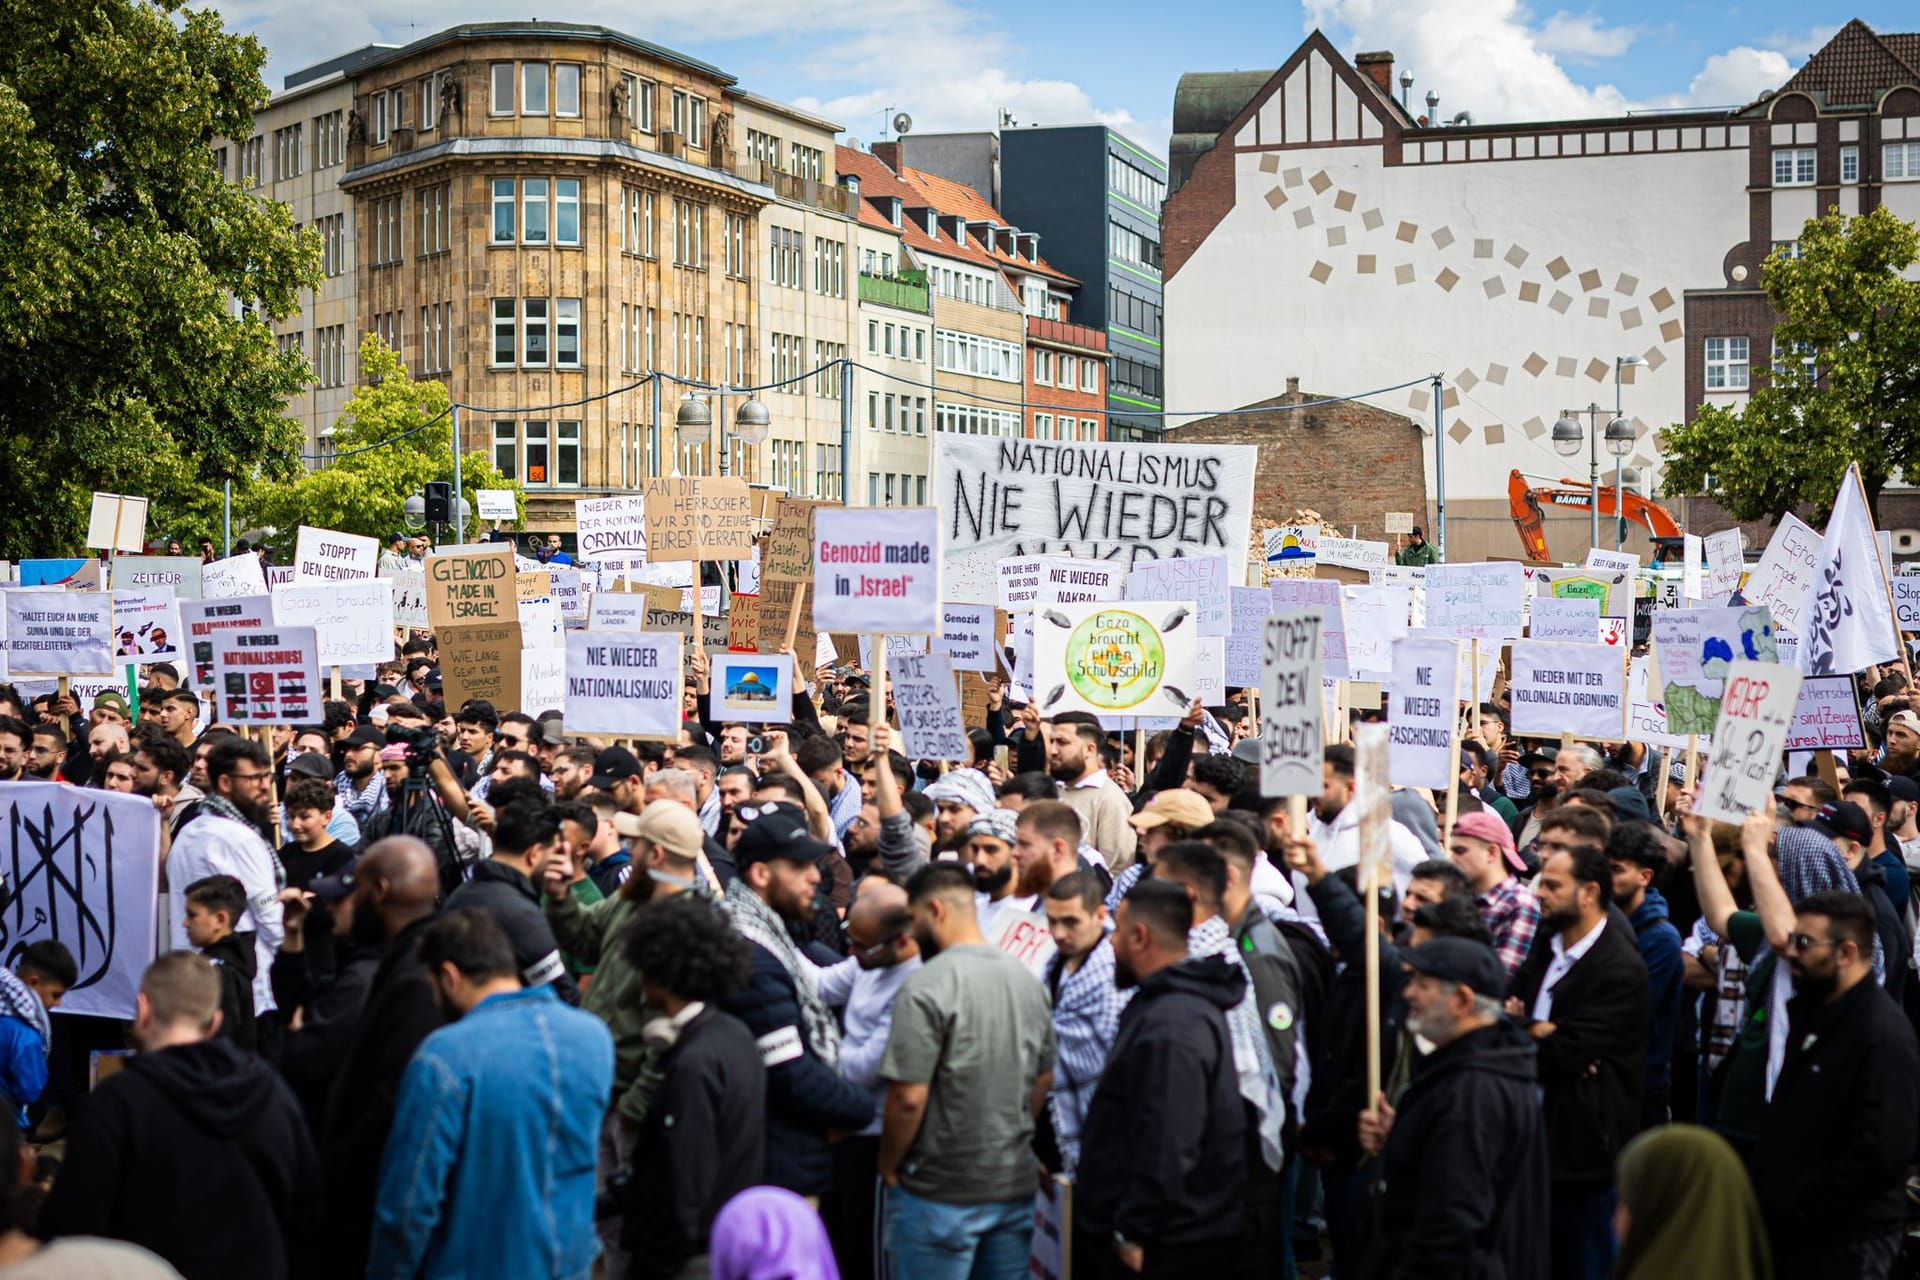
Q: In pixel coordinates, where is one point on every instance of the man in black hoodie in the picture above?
(196, 1150)
(526, 835)
(1459, 1185)
(1163, 1162)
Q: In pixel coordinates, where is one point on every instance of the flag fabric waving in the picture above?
(1850, 623)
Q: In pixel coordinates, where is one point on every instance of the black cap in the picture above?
(336, 886)
(1846, 820)
(1548, 754)
(365, 736)
(1903, 788)
(310, 764)
(1417, 533)
(613, 764)
(1471, 964)
(776, 830)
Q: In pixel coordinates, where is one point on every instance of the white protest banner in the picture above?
(1024, 936)
(1647, 715)
(928, 704)
(496, 504)
(1129, 659)
(354, 619)
(540, 622)
(1781, 579)
(1692, 575)
(1399, 522)
(1064, 580)
(1747, 739)
(410, 599)
(325, 555)
(239, 575)
(1210, 670)
(59, 633)
(1476, 601)
(1826, 716)
(146, 625)
(1695, 648)
(966, 637)
(1201, 579)
(611, 528)
(181, 573)
(1249, 607)
(877, 570)
(1423, 712)
(571, 596)
(1725, 563)
(1291, 727)
(1568, 688)
(267, 677)
(1575, 620)
(616, 611)
(279, 575)
(117, 522)
(905, 645)
(84, 867)
(543, 680)
(1123, 503)
(1376, 617)
(623, 682)
(1850, 623)
(1619, 561)
(1906, 601)
(1322, 596)
(753, 688)
(1290, 542)
(200, 619)
(1352, 553)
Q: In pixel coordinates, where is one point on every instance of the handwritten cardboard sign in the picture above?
(698, 518)
(472, 586)
(480, 660)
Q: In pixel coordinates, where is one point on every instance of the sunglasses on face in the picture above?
(1797, 942)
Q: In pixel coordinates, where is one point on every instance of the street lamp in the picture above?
(1567, 435)
(1620, 520)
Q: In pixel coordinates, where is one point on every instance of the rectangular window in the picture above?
(1900, 161)
(379, 118)
(1043, 367)
(873, 410)
(1089, 376)
(647, 338)
(566, 316)
(679, 117)
(697, 122)
(566, 453)
(533, 88)
(503, 324)
(500, 99)
(566, 211)
(920, 345)
(506, 449)
(534, 330)
(537, 444)
(566, 89)
(873, 337)
(1793, 167)
(736, 245)
(1726, 364)
(503, 224)
(1043, 426)
(533, 210)
(1850, 164)
(640, 104)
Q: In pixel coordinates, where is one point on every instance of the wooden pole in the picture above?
(1459, 728)
(1139, 754)
(1880, 568)
(699, 627)
(793, 619)
(1693, 758)
(877, 692)
(1660, 789)
(1372, 894)
(336, 682)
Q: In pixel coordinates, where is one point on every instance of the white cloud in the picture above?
(1737, 77)
(1798, 45)
(1580, 38)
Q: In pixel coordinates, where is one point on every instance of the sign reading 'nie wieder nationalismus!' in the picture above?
(1001, 498)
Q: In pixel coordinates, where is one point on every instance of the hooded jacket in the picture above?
(1660, 952)
(1461, 1187)
(1163, 1154)
(234, 958)
(198, 1153)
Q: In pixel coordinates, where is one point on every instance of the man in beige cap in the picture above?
(1167, 817)
(1902, 755)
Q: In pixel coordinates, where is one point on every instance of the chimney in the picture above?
(888, 153)
(1293, 388)
(1378, 67)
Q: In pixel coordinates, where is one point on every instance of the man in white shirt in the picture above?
(224, 839)
(1334, 825)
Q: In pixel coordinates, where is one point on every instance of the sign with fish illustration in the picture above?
(1132, 658)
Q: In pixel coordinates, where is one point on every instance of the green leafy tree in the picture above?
(136, 283)
(393, 436)
(1848, 311)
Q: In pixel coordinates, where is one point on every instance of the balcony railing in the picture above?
(907, 291)
(1042, 329)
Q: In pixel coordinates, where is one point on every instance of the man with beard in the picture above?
(1334, 826)
(1086, 1010)
(1461, 1163)
(1901, 754)
(1833, 1155)
(778, 865)
(735, 787)
(990, 840)
(968, 1066)
(160, 769)
(572, 770)
(820, 758)
(225, 839)
(48, 750)
(1046, 845)
(1074, 742)
(361, 786)
(958, 798)
(15, 738)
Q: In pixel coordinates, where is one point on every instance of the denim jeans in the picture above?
(929, 1240)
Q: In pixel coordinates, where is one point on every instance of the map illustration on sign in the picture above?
(1695, 649)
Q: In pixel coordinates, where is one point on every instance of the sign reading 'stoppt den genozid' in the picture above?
(1119, 658)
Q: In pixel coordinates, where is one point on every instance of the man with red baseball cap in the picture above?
(1482, 847)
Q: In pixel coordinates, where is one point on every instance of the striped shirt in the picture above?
(1086, 1018)
(1511, 914)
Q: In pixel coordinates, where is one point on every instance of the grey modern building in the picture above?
(1094, 197)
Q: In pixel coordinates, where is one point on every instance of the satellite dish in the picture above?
(903, 123)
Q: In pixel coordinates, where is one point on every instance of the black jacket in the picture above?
(312, 1057)
(1461, 1188)
(1276, 992)
(510, 898)
(198, 1153)
(1896, 943)
(1163, 1153)
(1338, 1048)
(1839, 1133)
(1592, 1066)
(235, 960)
(805, 1096)
(704, 1140)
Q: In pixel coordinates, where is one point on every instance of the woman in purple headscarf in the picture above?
(769, 1233)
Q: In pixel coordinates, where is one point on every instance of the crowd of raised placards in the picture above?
(457, 913)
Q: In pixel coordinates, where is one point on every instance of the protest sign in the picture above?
(1133, 659)
(928, 706)
(1695, 649)
(410, 599)
(1725, 563)
(789, 554)
(1201, 579)
(743, 624)
(326, 555)
(543, 680)
(239, 575)
(1476, 601)
(1424, 713)
(863, 648)
(117, 522)
(200, 619)
(480, 660)
(1906, 601)
(1248, 608)
(532, 584)
(612, 528)
(472, 586)
(1398, 522)
(1646, 714)
(1568, 688)
(354, 619)
(1692, 576)
(181, 573)
(59, 633)
(1611, 587)
(623, 682)
(1324, 597)
(1613, 632)
(84, 867)
(540, 624)
(698, 518)
(570, 594)
(1290, 543)
(1210, 670)
(1024, 936)
(617, 611)
(1122, 503)
(755, 688)
(877, 570)
(1619, 561)
(1826, 716)
(1375, 618)
(966, 636)
(1785, 572)
(783, 604)
(496, 504)
(267, 677)
(1747, 738)
(1352, 553)
(1031, 581)
(74, 575)
(146, 625)
(1291, 727)
(1575, 620)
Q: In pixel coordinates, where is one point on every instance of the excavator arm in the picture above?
(1528, 503)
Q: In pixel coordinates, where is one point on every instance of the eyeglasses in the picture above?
(1796, 806)
(249, 777)
(880, 948)
(1807, 942)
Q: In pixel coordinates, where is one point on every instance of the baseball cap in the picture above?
(613, 764)
(552, 732)
(1548, 754)
(776, 830)
(667, 823)
(1471, 964)
(1177, 805)
(1247, 751)
(1906, 720)
(1487, 826)
(365, 736)
(1903, 788)
(336, 886)
(1846, 820)
(114, 700)
(310, 764)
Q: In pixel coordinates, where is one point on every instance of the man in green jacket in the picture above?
(1418, 551)
(665, 840)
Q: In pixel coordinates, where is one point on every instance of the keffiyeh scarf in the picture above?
(1259, 1083)
(215, 805)
(758, 923)
(18, 1001)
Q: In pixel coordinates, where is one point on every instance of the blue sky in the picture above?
(952, 64)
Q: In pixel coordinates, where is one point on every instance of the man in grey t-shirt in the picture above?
(968, 1065)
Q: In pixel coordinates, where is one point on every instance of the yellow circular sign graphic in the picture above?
(1115, 659)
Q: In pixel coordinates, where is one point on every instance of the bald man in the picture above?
(395, 890)
(883, 955)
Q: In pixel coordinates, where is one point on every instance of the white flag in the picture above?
(1849, 624)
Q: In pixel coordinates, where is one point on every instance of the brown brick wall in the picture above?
(1190, 214)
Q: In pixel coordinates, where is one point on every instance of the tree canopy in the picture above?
(1843, 387)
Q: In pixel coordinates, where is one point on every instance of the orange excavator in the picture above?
(1527, 501)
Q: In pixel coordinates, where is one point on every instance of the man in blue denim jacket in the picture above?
(512, 1093)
